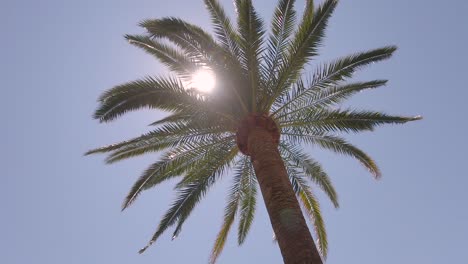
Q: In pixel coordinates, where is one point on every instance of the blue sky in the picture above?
(61, 207)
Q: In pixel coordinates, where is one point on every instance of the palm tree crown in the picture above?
(260, 78)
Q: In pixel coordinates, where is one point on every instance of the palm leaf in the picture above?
(150, 146)
(186, 200)
(337, 145)
(312, 207)
(330, 74)
(176, 161)
(174, 59)
(203, 49)
(322, 98)
(188, 196)
(304, 45)
(223, 28)
(242, 171)
(312, 169)
(159, 93)
(209, 119)
(247, 204)
(191, 38)
(169, 135)
(175, 118)
(251, 31)
(171, 130)
(215, 162)
(234, 77)
(199, 45)
(343, 120)
(282, 26)
(215, 165)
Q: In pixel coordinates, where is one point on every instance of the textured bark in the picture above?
(294, 238)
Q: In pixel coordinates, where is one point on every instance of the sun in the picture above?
(203, 80)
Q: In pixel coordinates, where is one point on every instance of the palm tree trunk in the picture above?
(294, 238)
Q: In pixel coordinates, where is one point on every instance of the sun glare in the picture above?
(203, 80)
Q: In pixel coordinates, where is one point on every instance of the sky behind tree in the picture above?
(61, 207)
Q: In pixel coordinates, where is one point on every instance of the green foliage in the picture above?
(342, 120)
(311, 206)
(309, 168)
(282, 26)
(325, 97)
(159, 93)
(178, 62)
(243, 173)
(337, 145)
(251, 33)
(248, 192)
(193, 40)
(303, 47)
(257, 72)
(224, 32)
(328, 75)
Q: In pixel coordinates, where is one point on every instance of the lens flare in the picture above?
(203, 80)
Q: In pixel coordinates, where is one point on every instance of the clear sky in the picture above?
(60, 207)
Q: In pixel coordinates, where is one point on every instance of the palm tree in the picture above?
(255, 123)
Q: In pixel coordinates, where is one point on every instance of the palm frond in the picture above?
(141, 148)
(247, 204)
(169, 130)
(174, 163)
(214, 165)
(168, 135)
(159, 93)
(175, 118)
(322, 98)
(343, 120)
(242, 171)
(216, 162)
(251, 32)
(199, 45)
(294, 156)
(157, 173)
(188, 196)
(223, 28)
(304, 46)
(200, 116)
(174, 59)
(282, 26)
(192, 39)
(186, 200)
(234, 78)
(312, 207)
(335, 144)
(330, 74)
